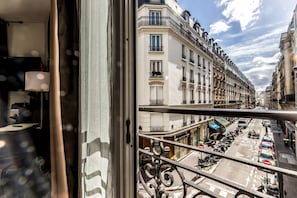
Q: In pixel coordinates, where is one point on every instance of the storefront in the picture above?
(290, 131)
(194, 136)
(183, 139)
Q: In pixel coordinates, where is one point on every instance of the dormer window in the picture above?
(205, 35)
(196, 26)
(186, 15)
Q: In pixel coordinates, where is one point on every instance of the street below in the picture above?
(238, 173)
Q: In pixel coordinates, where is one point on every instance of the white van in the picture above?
(243, 123)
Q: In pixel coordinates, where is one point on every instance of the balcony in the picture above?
(161, 176)
(184, 102)
(154, 48)
(192, 61)
(157, 74)
(192, 101)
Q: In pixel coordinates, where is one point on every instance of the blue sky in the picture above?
(248, 31)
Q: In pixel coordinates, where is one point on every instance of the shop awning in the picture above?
(222, 121)
(214, 126)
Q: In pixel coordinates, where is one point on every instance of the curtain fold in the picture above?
(59, 186)
(95, 99)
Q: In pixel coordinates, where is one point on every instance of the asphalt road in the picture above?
(244, 175)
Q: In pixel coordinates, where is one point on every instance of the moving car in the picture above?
(243, 123)
(253, 134)
(267, 157)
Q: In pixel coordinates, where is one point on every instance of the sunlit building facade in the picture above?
(179, 65)
(284, 79)
(174, 64)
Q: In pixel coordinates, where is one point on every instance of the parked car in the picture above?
(266, 145)
(267, 139)
(267, 157)
(266, 123)
(253, 134)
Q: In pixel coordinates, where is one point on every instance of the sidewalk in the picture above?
(286, 158)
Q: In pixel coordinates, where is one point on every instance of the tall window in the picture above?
(203, 63)
(156, 95)
(184, 73)
(204, 80)
(192, 96)
(191, 56)
(198, 57)
(199, 78)
(156, 42)
(184, 95)
(156, 122)
(204, 96)
(155, 17)
(191, 76)
(156, 67)
(183, 51)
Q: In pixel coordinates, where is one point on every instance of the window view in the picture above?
(234, 71)
(148, 98)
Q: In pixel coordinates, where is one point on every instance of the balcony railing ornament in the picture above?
(158, 177)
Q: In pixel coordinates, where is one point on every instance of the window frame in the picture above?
(156, 42)
(154, 18)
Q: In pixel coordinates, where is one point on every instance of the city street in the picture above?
(244, 175)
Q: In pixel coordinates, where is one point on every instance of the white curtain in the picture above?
(95, 98)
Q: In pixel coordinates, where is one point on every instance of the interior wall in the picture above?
(27, 39)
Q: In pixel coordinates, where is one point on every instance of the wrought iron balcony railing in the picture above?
(159, 176)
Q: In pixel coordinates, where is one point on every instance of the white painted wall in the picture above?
(27, 39)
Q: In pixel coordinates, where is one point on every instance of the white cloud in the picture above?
(266, 43)
(246, 12)
(218, 27)
(267, 60)
(260, 73)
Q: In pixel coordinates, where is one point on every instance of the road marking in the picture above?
(247, 181)
(251, 172)
(212, 188)
(223, 193)
(221, 188)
